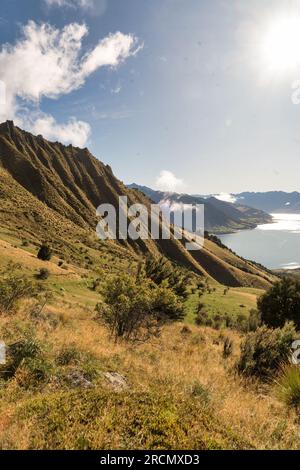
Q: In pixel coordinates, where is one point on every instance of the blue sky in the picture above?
(194, 102)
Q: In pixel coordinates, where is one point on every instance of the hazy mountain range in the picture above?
(220, 216)
(272, 201)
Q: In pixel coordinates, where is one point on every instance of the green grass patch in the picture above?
(236, 301)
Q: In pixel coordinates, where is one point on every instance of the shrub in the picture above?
(161, 270)
(45, 253)
(43, 274)
(17, 353)
(263, 350)
(166, 305)
(38, 370)
(281, 303)
(13, 288)
(68, 355)
(134, 309)
(287, 386)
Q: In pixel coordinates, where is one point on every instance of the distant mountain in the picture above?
(220, 216)
(50, 192)
(272, 201)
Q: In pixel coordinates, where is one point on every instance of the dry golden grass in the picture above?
(175, 364)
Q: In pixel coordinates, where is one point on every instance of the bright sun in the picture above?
(281, 44)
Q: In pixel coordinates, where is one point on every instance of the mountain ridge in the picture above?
(50, 192)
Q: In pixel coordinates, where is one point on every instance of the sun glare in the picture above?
(281, 44)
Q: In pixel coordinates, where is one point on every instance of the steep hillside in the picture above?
(50, 192)
(220, 216)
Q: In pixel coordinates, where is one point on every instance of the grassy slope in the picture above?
(236, 301)
(75, 282)
(182, 393)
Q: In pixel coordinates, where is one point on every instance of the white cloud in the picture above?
(167, 181)
(93, 7)
(226, 197)
(74, 131)
(71, 3)
(47, 62)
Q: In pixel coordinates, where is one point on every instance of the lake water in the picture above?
(275, 245)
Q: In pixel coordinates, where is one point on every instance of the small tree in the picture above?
(134, 309)
(45, 253)
(281, 303)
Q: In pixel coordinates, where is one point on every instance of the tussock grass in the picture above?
(287, 386)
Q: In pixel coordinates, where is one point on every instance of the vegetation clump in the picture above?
(161, 270)
(13, 287)
(45, 253)
(136, 308)
(43, 274)
(241, 322)
(227, 347)
(18, 354)
(264, 350)
(281, 303)
(288, 386)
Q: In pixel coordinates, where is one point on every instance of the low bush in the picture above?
(34, 371)
(45, 253)
(43, 274)
(69, 355)
(264, 350)
(17, 353)
(14, 287)
(135, 308)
